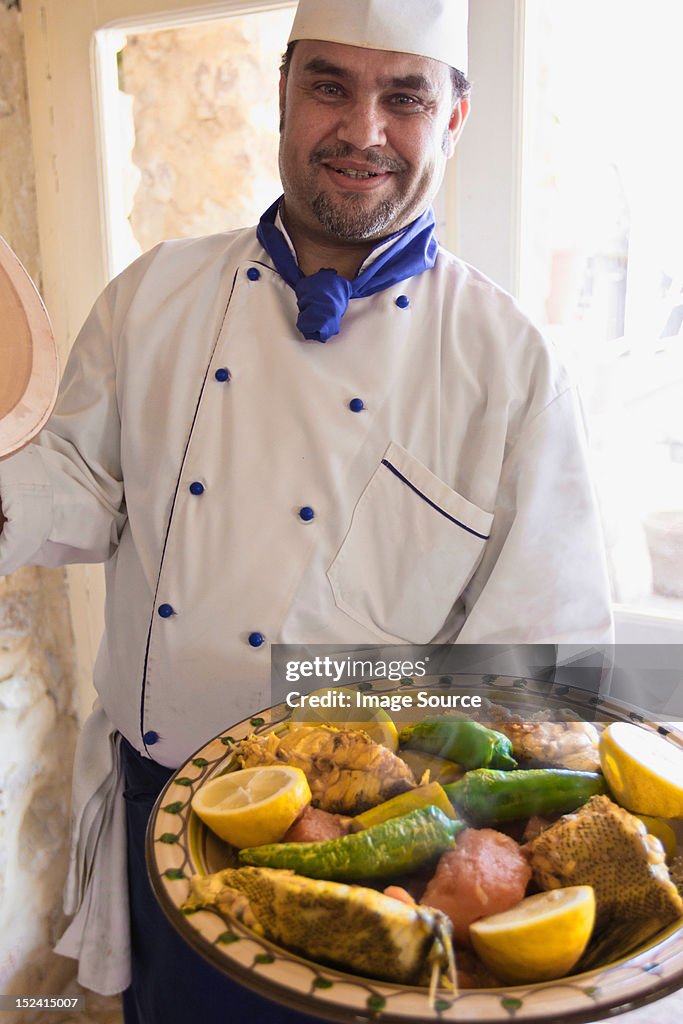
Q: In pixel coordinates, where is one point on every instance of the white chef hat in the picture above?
(429, 28)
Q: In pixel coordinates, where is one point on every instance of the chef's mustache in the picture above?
(346, 152)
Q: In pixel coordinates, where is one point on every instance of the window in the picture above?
(189, 126)
(569, 196)
(601, 265)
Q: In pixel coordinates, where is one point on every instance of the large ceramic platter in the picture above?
(29, 367)
(179, 846)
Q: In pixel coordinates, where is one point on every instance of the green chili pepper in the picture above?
(486, 797)
(457, 739)
(392, 848)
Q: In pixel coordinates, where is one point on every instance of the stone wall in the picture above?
(37, 719)
(205, 113)
(37, 731)
(17, 186)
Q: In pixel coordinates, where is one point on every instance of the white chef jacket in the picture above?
(195, 422)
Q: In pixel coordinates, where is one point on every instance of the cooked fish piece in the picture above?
(603, 845)
(546, 744)
(545, 739)
(346, 770)
(346, 925)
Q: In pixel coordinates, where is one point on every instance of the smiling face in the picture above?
(364, 141)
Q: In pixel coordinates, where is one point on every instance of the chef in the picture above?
(325, 429)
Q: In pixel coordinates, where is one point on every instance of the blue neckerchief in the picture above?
(323, 297)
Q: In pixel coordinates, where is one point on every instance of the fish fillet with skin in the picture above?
(343, 924)
(603, 845)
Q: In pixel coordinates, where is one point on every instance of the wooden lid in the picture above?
(29, 365)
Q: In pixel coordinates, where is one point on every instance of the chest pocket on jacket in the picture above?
(412, 547)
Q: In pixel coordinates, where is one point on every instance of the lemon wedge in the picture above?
(375, 721)
(253, 806)
(643, 770)
(541, 938)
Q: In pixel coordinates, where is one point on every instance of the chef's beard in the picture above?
(350, 219)
(355, 217)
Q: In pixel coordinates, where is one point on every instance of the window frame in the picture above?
(485, 193)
